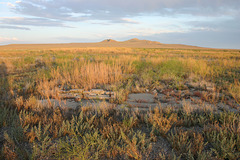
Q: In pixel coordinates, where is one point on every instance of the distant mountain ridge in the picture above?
(132, 43)
(108, 40)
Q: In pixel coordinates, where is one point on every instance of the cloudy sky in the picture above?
(206, 23)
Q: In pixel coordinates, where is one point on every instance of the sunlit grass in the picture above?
(29, 130)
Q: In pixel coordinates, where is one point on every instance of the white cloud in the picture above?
(204, 29)
(10, 4)
(128, 20)
(7, 39)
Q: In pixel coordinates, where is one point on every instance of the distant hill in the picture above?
(132, 43)
(109, 41)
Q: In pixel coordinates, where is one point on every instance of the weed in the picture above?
(204, 77)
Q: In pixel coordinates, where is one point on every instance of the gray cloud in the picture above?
(215, 21)
(57, 12)
(46, 9)
(115, 10)
(14, 27)
(30, 22)
(232, 24)
(224, 39)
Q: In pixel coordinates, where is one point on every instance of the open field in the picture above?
(163, 103)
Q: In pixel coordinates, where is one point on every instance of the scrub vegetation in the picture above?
(207, 129)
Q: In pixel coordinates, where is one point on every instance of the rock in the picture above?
(97, 91)
(225, 107)
(100, 97)
(141, 97)
(163, 100)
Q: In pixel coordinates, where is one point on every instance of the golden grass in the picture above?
(36, 132)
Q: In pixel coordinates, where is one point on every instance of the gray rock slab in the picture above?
(141, 97)
(69, 96)
(225, 107)
(100, 97)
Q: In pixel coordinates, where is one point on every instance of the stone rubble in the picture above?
(79, 94)
(175, 99)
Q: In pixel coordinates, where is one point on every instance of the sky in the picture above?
(205, 23)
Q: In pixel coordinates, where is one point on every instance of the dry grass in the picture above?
(29, 130)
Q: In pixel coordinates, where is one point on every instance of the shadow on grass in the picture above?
(12, 137)
(4, 85)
